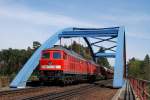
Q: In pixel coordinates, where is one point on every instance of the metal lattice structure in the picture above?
(100, 34)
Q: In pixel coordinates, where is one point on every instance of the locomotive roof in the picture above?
(71, 52)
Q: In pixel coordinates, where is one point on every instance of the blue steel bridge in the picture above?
(97, 33)
(115, 35)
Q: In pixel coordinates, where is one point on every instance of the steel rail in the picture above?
(61, 95)
(8, 92)
(67, 93)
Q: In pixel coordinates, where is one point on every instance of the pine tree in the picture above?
(134, 68)
(36, 45)
(103, 60)
(146, 67)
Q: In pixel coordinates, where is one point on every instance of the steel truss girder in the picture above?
(110, 48)
(108, 55)
(85, 32)
(118, 32)
(91, 50)
(102, 40)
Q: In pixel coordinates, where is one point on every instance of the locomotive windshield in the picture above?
(56, 55)
(46, 55)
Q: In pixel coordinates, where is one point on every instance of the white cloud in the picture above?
(126, 18)
(20, 25)
(42, 18)
(31, 24)
(136, 24)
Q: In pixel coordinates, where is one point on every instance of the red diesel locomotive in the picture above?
(61, 65)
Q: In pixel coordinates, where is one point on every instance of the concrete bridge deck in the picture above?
(125, 93)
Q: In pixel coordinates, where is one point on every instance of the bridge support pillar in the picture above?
(119, 60)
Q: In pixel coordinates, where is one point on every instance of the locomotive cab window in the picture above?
(57, 55)
(46, 55)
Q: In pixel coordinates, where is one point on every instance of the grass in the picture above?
(4, 81)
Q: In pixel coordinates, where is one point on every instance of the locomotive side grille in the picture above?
(51, 73)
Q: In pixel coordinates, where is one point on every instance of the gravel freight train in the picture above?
(61, 65)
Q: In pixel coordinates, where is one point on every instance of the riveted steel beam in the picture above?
(108, 55)
(102, 40)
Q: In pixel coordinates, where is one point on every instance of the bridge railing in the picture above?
(141, 88)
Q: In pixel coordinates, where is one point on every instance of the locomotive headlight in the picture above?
(51, 66)
(43, 66)
(58, 66)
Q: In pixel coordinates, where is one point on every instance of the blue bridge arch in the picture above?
(96, 33)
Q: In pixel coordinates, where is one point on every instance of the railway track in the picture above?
(49, 93)
(68, 93)
(19, 91)
(61, 95)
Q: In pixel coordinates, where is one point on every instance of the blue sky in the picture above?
(24, 21)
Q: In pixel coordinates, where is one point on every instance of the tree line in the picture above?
(12, 60)
(139, 68)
